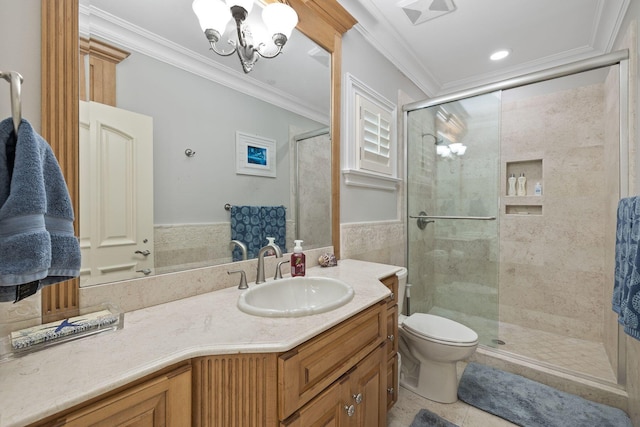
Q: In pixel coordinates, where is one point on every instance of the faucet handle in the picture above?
(278, 272)
(243, 278)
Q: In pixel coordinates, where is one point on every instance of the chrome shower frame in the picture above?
(620, 58)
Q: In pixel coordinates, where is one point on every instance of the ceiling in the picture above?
(450, 50)
(444, 52)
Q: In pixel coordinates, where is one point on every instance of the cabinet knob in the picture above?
(390, 390)
(351, 410)
(391, 337)
(392, 296)
(358, 398)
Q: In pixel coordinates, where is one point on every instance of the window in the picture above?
(370, 152)
(374, 137)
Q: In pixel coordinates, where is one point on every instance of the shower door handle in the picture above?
(428, 217)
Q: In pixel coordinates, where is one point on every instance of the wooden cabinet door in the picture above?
(368, 391)
(162, 402)
(392, 382)
(326, 410)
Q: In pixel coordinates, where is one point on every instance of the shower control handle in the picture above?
(145, 271)
(146, 252)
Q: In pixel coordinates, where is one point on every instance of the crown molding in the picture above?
(110, 28)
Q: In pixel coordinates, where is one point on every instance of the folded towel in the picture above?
(253, 224)
(626, 288)
(37, 242)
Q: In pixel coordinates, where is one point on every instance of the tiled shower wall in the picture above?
(552, 269)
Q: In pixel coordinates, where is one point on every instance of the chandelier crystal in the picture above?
(214, 16)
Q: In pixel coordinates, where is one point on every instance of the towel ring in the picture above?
(15, 80)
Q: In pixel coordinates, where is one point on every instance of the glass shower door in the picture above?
(453, 180)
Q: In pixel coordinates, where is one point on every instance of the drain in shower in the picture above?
(497, 341)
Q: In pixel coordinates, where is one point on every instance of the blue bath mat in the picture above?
(531, 404)
(426, 418)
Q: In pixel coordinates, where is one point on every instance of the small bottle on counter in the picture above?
(298, 262)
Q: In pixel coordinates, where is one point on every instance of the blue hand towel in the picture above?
(253, 224)
(626, 288)
(37, 241)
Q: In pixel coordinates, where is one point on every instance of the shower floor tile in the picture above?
(582, 356)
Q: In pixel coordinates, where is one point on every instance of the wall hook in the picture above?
(189, 152)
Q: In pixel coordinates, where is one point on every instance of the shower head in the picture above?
(438, 141)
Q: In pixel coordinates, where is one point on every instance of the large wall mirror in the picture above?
(240, 107)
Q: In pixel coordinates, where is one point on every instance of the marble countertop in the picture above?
(43, 383)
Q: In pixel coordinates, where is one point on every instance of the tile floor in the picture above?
(581, 356)
(409, 403)
(578, 355)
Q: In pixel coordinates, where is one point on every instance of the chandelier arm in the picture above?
(264, 55)
(241, 39)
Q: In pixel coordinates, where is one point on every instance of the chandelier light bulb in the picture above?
(212, 14)
(280, 19)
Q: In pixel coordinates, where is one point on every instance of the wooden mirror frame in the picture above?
(323, 21)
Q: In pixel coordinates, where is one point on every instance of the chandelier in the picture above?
(214, 16)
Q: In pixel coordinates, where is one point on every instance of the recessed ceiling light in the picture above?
(499, 54)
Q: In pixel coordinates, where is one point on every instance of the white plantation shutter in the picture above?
(374, 137)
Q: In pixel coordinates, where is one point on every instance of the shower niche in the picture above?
(529, 203)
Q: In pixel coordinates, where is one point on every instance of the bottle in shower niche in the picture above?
(298, 262)
(538, 189)
(511, 191)
(522, 185)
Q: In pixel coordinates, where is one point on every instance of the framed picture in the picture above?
(255, 155)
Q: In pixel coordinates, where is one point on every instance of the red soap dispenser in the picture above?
(298, 263)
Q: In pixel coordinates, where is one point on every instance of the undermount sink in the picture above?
(295, 297)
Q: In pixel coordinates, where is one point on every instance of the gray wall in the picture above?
(369, 66)
(192, 112)
(20, 51)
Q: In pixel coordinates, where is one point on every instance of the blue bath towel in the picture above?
(626, 288)
(37, 241)
(253, 224)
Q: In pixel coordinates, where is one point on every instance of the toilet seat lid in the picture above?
(439, 328)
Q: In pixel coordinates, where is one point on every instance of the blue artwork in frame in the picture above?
(255, 155)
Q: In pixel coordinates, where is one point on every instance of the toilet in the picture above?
(430, 347)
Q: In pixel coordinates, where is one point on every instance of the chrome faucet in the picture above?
(239, 244)
(261, 254)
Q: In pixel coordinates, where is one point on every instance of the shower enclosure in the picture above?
(311, 187)
(511, 202)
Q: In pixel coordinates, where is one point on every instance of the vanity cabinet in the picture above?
(391, 388)
(356, 399)
(345, 376)
(308, 385)
(164, 400)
